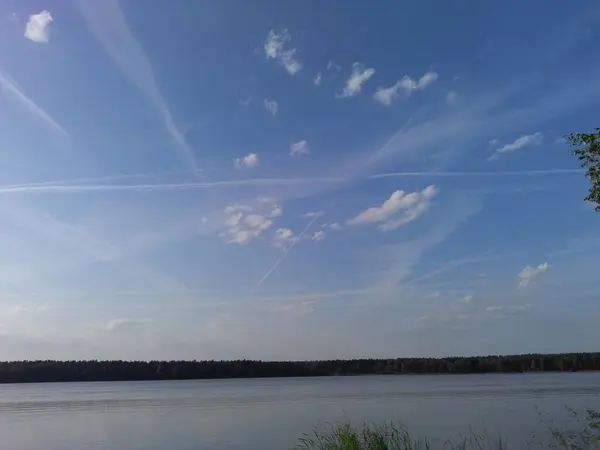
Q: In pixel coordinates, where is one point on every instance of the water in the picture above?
(272, 413)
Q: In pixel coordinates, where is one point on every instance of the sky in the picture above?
(296, 180)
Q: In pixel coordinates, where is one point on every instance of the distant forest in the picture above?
(55, 371)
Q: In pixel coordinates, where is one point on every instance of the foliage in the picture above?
(48, 371)
(370, 437)
(585, 436)
(586, 146)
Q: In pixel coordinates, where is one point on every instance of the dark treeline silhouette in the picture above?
(50, 371)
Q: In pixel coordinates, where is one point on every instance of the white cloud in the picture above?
(317, 79)
(20, 309)
(433, 295)
(506, 310)
(318, 236)
(333, 67)
(387, 95)
(271, 106)
(335, 226)
(451, 97)
(247, 162)
(117, 324)
(467, 298)
(244, 223)
(400, 209)
(358, 77)
(312, 214)
(299, 148)
(37, 27)
(276, 211)
(528, 140)
(295, 309)
(283, 237)
(276, 47)
(529, 272)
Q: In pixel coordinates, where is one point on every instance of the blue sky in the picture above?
(289, 180)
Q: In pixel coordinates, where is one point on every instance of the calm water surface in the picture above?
(272, 413)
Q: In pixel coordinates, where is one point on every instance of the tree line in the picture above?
(93, 370)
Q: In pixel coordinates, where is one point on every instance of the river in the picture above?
(267, 414)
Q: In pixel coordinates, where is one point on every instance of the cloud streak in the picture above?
(354, 83)
(79, 186)
(529, 273)
(9, 87)
(285, 254)
(400, 209)
(108, 24)
(529, 140)
(386, 96)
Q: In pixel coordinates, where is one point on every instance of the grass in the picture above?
(389, 436)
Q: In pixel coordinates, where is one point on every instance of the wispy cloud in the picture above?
(285, 255)
(515, 173)
(37, 28)
(333, 67)
(407, 84)
(451, 97)
(295, 309)
(70, 189)
(358, 77)
(528, 140)
(318, 236)
(317, 79)
(10, 87)
(312, 214)
(247, 162)
(299, 148)
(244, 223)
(467, 298)
(271, 106)
(121, 323)
(80, 186)
(22, 309)
(400, 209)
(277, 47)
(334, 226)
(401, 258)
(283, 237)
(502, 311)
(529, 273)
(107, 22)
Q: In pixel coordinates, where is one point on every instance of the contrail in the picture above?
(98, 179)
(6, 84)
(84, 188)
(476, 174)
(285, 253)
(78, 186)
(107, 22)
